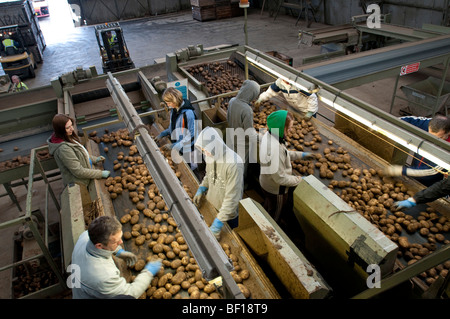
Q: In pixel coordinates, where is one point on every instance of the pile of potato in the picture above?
(217, 77)
(18, 161)
(368, 192)
(25, 282)
(153, 232)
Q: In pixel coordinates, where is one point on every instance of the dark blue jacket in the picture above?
(419, 162)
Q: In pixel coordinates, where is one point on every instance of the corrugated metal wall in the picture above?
(101, 11)
(412, 13)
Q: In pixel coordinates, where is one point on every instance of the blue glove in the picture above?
(153, 266)
(129, 257)
(216, 227)
(201, 190)
(198, 196)
(408, 203)
(158, 138)
(307, 156)
(309, 115)
(105, 174)
(167, 147)
(99, 159)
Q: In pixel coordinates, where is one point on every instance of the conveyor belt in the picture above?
(355, 68)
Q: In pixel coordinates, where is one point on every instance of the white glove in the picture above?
(394, 170)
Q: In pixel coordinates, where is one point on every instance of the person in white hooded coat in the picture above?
(303, 103)
(223, 183)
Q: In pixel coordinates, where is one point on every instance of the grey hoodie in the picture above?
(240, 118)
(224, 174)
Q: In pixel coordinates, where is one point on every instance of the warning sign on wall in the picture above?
(411, 68)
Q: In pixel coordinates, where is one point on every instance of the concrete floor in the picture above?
(151, 38)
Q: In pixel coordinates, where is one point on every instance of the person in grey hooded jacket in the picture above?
(241, 135)
(223, 182)
(95, 274)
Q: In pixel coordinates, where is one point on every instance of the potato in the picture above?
(236, 277)
(178, 278)
(158, 294)
(140, 240)
(215, 295)
(175, 289)
(209, 288)
(134, 219)
(163, 280)
(169, 239)
(244, 290)
(244, 274)
(176, 263)
(403, 242)
(171, 222)
(125, 218)
(158, 248)
(139, 265)
(185, 284)
(440, 237)
(195, 294)
(126, 235)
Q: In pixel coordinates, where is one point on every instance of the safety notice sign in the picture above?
(410, 68)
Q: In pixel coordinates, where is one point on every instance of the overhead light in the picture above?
(277, 71)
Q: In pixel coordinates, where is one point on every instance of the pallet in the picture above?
(202, 3)
(223, 11)
(236, 11)
(204, 13)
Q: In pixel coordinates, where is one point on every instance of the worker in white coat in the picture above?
(276, 177)
(223, 183)
(98, 275)
(302, 103)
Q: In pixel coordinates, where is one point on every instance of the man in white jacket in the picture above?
(303, 103)
(98, 275)
(223, 182)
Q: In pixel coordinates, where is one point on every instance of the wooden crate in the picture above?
(202, 3)
(236, 11)
(286, 59)
(204, 13)
(223, 9)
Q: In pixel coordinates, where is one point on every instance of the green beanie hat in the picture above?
(277, 120)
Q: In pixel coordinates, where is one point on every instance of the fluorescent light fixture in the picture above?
(277, 71)
(343, 106)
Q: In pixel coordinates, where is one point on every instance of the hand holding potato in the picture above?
(127, 256)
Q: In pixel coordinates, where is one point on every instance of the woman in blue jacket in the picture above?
(182, 127)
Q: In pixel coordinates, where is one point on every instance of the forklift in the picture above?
(16, 59)
(113, 49)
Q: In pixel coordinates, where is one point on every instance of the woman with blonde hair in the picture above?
(182, 127)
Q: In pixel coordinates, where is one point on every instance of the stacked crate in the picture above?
(236, 11)
(203, 10)
(223, 9)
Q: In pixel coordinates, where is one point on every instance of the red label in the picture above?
(411, 68)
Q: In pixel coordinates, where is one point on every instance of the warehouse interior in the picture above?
(366, 77)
